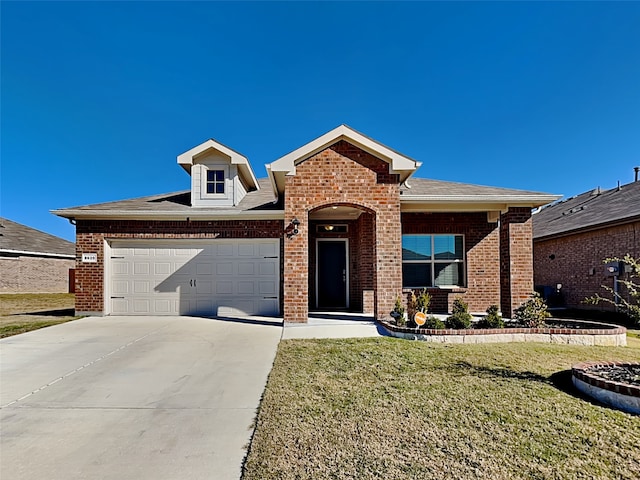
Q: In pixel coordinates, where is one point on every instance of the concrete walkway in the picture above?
(133, 397)
(333, 325)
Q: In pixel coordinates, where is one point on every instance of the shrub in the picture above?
(533, 312)
(434, 323)
(631, 306)
(418, 303)
(460, 316)
(398, 312)
(492, 319)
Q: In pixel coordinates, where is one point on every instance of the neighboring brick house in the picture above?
(572, 238)
(32, 261)
(339, 224)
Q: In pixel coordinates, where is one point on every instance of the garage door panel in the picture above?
(170, 278)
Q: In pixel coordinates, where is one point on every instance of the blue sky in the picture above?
(98, 98)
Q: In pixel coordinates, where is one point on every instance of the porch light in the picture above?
(292, 229)
(328, 227)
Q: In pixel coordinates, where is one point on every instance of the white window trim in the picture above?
(433, 261)
(203, 181)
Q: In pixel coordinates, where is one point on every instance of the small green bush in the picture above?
(492, 319)
(460, 317)
(533, 312)
(434, 323)
(398, 312)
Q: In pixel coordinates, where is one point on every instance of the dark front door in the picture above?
(332, 274)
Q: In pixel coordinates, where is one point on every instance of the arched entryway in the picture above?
(342, 258)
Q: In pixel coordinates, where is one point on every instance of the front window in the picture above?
(215, 181)
(432, 261)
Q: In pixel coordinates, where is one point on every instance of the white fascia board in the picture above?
(186, 159)
(36, 254)
(196, 214)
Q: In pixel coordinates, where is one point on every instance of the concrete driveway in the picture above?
(132, 397)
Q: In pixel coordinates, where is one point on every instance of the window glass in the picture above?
(416, 275)
(448, 274)
(215, 181)
(432, 260)
(416, 247)
(447, 247)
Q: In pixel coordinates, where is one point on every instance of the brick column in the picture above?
(516, 259)
(296, 267)
(388, 256)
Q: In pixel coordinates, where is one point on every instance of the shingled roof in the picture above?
(590, 210)
(16, 238)
(255, 204)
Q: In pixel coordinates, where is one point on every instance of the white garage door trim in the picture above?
(192, 277)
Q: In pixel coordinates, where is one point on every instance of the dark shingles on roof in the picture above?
(17, 237)
(589, 210)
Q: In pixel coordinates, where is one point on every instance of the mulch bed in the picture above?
(627, 374)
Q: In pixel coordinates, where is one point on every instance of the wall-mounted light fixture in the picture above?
(293, 229)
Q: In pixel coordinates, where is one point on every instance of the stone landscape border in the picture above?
(615, 394)
(594, 334)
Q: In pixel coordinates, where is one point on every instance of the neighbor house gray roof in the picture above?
(16, 238)
(590, 210)
(262, 204)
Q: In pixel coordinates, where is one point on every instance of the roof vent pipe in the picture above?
(636, 169)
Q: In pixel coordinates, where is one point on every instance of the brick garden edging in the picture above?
(607, 335)
(615, 394)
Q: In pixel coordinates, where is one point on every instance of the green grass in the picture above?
(388, 408)
(23, 312)
(18, 327)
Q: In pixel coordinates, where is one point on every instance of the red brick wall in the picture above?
(90, 236)
(577, 261)
(516, 252)
(482, 253)
(343, 174)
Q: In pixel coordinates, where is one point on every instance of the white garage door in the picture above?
(216, 277)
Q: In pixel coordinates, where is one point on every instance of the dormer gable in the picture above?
(220, 176)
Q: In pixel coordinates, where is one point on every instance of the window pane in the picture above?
(219, 187)
(210, 188)
(219, 175)
(416, 275)
(416, 247)
(211, 175)
(448, 247)
(449, 274)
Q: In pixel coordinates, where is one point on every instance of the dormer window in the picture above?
(215, 182)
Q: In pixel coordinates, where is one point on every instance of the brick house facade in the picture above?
(343, 219)
(572, 239)
(32, 261)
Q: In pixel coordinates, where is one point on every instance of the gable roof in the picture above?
(589, 210)
(286, 165)
(18, 239)
(257, 204)
(186, 160)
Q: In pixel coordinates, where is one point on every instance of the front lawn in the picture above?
(23, 312)
(395, 409)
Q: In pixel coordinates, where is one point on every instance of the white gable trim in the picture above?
(186, 160)
(398, 163)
